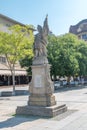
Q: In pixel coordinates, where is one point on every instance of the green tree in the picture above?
(27, 62)
(16, 44)
(62, 55)
(81, 56)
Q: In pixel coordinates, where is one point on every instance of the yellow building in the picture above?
(5, 73)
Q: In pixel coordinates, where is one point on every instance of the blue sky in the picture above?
(61, 13)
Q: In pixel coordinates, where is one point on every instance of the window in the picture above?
(79, 36)
(2, 59)
(84, 37)
(8, 25)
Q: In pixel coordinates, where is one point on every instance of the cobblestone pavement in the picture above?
(74, 119)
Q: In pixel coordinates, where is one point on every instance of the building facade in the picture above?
(21, 76)
(80, 29)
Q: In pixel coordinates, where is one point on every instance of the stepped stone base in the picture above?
(39, 100)
(51, 111)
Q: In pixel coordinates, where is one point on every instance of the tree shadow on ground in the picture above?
(69, 88)
(17, 120)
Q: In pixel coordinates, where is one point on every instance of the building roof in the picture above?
(14, 21)
(79, 27)
(10, 19)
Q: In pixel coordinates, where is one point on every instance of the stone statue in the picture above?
(40, 41)
(41, 101)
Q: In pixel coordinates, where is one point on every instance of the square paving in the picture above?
(73, 119)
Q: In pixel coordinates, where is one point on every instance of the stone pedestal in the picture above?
(41, 100)
(51, 111)
(41, 87)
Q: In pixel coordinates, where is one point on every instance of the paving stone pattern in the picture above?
(74, 119)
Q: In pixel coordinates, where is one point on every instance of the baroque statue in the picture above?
(40, 41)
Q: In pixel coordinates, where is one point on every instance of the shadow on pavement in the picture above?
(69, 89)
(17, 93)
(16, 120)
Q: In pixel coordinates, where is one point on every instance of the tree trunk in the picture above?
(13, 80)
(68, 80)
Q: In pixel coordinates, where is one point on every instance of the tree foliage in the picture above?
(27, 62)
(81, 56)
(67, 55)
(16, 44)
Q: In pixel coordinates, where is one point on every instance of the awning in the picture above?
(17, 72)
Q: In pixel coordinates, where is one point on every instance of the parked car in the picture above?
(64, 82)
(85, 82)
(1, 83)
(72, 83)
(57, 84)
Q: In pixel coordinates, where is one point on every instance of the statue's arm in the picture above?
(45, 27)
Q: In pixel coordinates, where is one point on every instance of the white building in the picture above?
(5, 73)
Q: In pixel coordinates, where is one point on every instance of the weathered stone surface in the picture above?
(41, 87)
(41, 100)
(41, 82)
(42, 111)
(40, 60)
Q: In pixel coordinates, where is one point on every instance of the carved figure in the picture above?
(40, 41)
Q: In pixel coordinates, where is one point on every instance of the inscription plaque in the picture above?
(38, 81)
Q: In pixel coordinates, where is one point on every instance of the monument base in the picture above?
(51, 111)
(41, 100)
